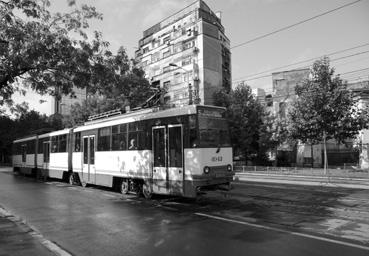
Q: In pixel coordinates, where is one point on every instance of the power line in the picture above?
(264, 76)
(295, 24)
(355, 71)
(300, 62)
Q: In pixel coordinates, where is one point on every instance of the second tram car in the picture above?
(177, 151)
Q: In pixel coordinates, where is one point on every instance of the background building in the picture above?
(64, 105)
(284, 84)
(188, 55)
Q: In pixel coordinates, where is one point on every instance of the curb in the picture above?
(33, 232)
(304, 180)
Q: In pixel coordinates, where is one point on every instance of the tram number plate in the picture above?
(218, 175)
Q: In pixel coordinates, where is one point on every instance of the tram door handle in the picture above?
(154, 170)
(180, 171)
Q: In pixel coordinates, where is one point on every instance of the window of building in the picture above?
(177, 48)
(103, 142)
(186, 61)
(188, 45)
(187, 76)
(166, 40)
(166, 54)
(144, 63)
(155, 57)
(166, 69)
(146, 49)
(166, 85)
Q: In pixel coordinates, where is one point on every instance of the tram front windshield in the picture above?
(213, 132)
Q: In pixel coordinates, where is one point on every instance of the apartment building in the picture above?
(63, 106)
(188, 55)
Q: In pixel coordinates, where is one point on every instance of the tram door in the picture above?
(24, 155)
(88, 170)
(46, 154)
(175, 159)
(168, 159)
(159, 171)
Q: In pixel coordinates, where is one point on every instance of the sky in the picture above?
(125, 20)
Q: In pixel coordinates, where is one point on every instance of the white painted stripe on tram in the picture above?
(284, 231)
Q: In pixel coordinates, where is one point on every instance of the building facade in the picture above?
(187, 55)
(64, 105)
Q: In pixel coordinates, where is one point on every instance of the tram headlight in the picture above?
(229, 167)
(206, 169)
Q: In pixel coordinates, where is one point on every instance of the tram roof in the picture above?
(32, 137)
(144, 114)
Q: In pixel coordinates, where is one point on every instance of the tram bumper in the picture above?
(203, 183)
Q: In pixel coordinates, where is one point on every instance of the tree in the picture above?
(25, 123)
(245, 115)
(325, 109)
(37, 48)
(40, 50)
(273, 133)
(125, 85)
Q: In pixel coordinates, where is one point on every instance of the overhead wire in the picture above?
(300, 62)
(295, 24)
(301, 67)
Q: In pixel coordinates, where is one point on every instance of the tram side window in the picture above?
(193, 131)
(119, 137)
(136, 136)
(62, 145)
(17, 149)
(54, 144)
(40, 146)
(77, 142)
(31, 147)
(175, 147)
(103, 143)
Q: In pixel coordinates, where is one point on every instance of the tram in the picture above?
(176, 151)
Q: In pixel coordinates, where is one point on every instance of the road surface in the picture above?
(253, 219)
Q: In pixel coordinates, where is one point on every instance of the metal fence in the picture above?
(344, 172)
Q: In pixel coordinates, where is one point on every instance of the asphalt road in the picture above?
(253, 219)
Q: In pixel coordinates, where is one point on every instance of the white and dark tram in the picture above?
(177, 151)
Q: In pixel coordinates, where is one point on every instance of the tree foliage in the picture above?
(325, 107)
(51, 53)
(37, 48)
(249, 133)
(126, 86)
(25, 123)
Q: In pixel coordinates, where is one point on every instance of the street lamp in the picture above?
(189, 84)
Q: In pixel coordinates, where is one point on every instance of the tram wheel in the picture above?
(124, 187)
(146, 191)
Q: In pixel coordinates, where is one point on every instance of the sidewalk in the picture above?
(18, 238)
(358, 183)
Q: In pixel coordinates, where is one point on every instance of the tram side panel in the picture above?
(59, 164)
(134, 164)
(24, 159)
